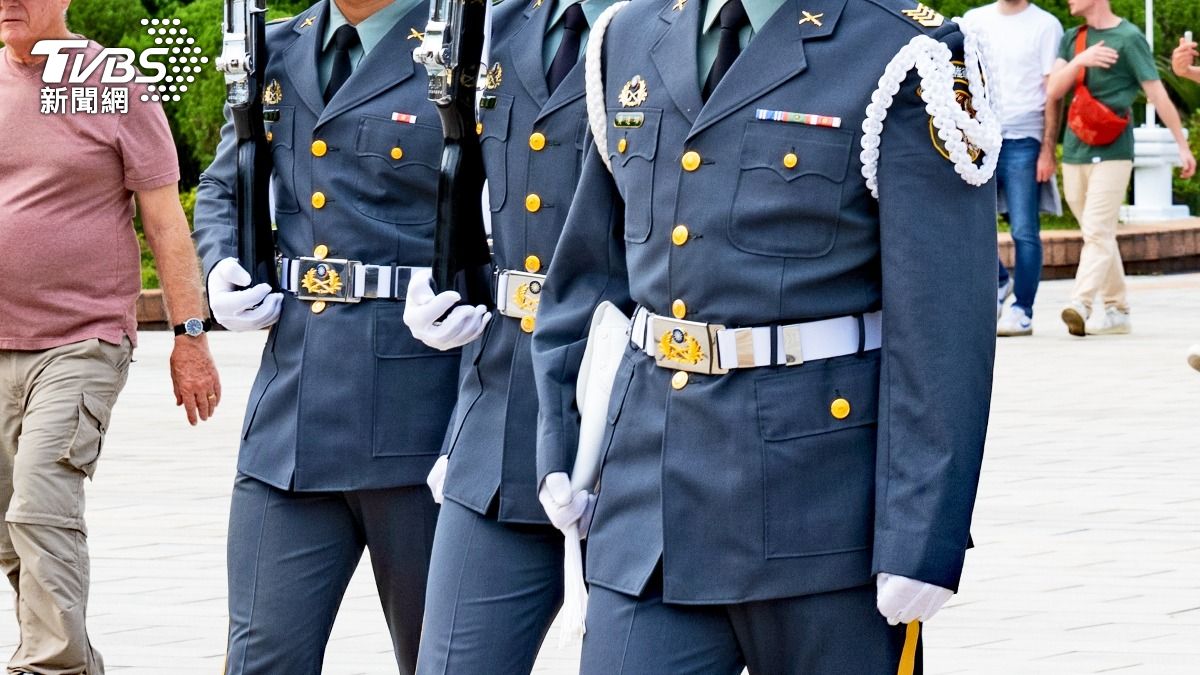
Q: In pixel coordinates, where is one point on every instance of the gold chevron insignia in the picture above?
(925, 15)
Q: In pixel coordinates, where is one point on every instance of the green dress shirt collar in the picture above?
(592, 9)
(758, 11)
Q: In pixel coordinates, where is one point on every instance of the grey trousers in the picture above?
(838, 633)
(54, 411)
(291, 556)
(494, 589)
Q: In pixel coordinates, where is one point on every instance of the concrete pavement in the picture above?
(1087, 525)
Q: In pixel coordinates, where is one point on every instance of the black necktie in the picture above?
(574, 24)
(345, 38)
(732, 19)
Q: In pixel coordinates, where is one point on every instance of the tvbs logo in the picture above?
(166, 69)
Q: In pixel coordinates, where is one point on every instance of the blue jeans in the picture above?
(1017, 177)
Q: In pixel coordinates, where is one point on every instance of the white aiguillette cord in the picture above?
(594, 79)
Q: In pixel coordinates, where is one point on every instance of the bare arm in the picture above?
(1046, 162)
(197, 386)
(1063, 77)
(1156, 93)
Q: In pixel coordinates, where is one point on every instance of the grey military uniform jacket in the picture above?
(533, 145)
(745, 485)
(345, 399)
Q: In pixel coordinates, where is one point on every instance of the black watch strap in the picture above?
(181, 328)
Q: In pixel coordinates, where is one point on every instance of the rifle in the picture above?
(451, 52)
(243, 60)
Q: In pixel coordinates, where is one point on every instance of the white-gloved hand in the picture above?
(436, 480)
(236, 307)
(422, 309)
(904, 600)
(564, 508)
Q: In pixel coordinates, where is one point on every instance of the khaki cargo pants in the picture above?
(54, 411)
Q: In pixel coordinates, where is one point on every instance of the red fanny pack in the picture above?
(1092, 121)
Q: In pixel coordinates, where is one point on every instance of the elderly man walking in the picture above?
(67, 322)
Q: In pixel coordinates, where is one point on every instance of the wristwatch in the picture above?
(193, 327)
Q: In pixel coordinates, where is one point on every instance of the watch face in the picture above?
(193, 327)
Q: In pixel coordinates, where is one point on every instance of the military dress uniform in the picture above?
(804, 399)
(496, 575)
(348, 411)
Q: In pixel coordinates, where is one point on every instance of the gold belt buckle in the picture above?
(523, 294)
(326, 279)
(685, 345)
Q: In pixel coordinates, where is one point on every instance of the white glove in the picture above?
(236, 307)
(422, 309)
(565, 509)
(904, 600)
(436, 480)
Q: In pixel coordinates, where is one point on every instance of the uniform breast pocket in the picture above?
(632, 145)
(818, 424)
(789, 189)
(493, 121)
(282, 156)
(398, 171)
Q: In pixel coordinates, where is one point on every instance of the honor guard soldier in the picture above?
(496, 578)
(348, 411)
(790, 197)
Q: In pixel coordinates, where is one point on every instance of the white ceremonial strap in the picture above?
(370, 281)
(933, 61)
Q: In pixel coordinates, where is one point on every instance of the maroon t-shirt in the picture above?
(70, 261)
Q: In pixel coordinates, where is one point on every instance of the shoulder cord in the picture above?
(594, 79)
(932, 59)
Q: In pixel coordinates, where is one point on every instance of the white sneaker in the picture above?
(1016, 322)
(1075, 315)
(1194, 357)
(1112, 322)
(1002, 293)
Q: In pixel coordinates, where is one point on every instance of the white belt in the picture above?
(340, 280)
(691, 345)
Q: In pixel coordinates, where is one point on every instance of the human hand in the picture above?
(563, 508)
(422, 309)
(194, 378)
(436, 480)
(1096, 56)
(1183, 58)
(1046, 164)
(904, 600)
(236, 307)
(1187, 162)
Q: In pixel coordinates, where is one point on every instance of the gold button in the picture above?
(790, 160)
(533, 264)
(679, 235)
(679, 380)
(320, 251)
(318, 200)
(840, 408)
(527, 323)
(318, 307)
(270, 136)
(533, 203)
(319, 148)
(479, 128)
(397, 153)
(537, 141)
(691, 160)
(622, 146)
(678, 309)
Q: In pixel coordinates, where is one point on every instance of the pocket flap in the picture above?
(399, 142)
(818, 398)
(794, 150)
(639, 141)
(495, 119)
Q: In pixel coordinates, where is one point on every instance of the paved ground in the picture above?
(1088, 522)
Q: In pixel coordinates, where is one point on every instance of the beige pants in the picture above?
(1095, 193)
(54, 410)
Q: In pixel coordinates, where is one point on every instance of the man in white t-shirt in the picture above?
(1025, 41)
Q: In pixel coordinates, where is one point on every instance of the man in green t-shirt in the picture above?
(1095, 177)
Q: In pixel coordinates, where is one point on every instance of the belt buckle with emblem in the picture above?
(522, 294)
(685, 345)
(327, 279)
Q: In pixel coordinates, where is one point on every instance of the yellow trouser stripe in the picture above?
(908, 657)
